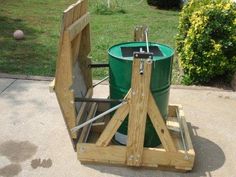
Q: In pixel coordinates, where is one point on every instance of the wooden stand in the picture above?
(140, 103)
(94, 142)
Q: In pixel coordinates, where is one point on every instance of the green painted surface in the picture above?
(120, 82)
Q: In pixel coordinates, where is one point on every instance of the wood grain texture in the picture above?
(159, 125)
(113, 125)
(114, 154)
(86, 129)
(115, 122)
(140, 88)
(67, 54)
(139, 33)
(62, 86)
(78, 26)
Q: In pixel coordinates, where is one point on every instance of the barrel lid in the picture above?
(125, 51)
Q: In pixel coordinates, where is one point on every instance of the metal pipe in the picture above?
(97, 117)
(147, 43)
(98, 65)
(101, 100)
(99, 82)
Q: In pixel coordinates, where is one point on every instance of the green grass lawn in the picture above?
(40, 20)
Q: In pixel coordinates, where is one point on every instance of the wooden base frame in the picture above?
(176, 151)
(158, 157)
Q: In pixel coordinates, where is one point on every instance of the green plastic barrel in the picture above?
(120, 71)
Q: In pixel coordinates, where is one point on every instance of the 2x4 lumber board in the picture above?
(159, 125)
(83, 106)
(63, 79)
(63, 82)
(156, 157)
(79, 11)
(113, 154)
(113, 126)
(52, 86)
(86, 129)
(77, 39)
(140, 88)
(85, 48)
(67, 20)
(110, 154)
(186, 131)
(78, 26)
(139, 33)
(173, 124)
(98, 127)
(114, 123)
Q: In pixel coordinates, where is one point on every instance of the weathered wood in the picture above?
(114, 154)
(140, 88)
(86, 129)
(62, 86)
(52, 86)
(173, 124)
(78, 26)
(114, 123)
(83, 107)
(139, 33)
(159, 125)
(113, 126)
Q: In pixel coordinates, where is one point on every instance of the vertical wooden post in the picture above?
(140, 88)
(139, 33)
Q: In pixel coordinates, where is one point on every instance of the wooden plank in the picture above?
(155, 157)
(110, 154)
(86, 129)
(52, 86)
(159, 125)
(113, 154)
(63, 76)
(83, 107)
(113, 126)
(78, 26)
(172, 110)
(62, 86)
(77, 39)
(173, 124)
(85, 48)
(185, 129)
(98, 127)
(140, 88)
(139, 33)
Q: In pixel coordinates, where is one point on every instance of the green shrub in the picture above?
(115, 7)
(206, 41)
(165, 4)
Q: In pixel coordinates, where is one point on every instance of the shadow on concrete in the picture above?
(209, 157)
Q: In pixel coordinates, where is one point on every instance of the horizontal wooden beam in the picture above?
(152, 157)
(78, 26)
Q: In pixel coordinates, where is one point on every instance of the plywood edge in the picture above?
(52, 86)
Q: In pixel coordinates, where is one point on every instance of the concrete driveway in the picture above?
(34, 140)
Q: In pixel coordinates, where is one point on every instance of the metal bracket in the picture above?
(143, 55)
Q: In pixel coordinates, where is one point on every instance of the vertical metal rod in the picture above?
(97, 117)
(147, 43)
